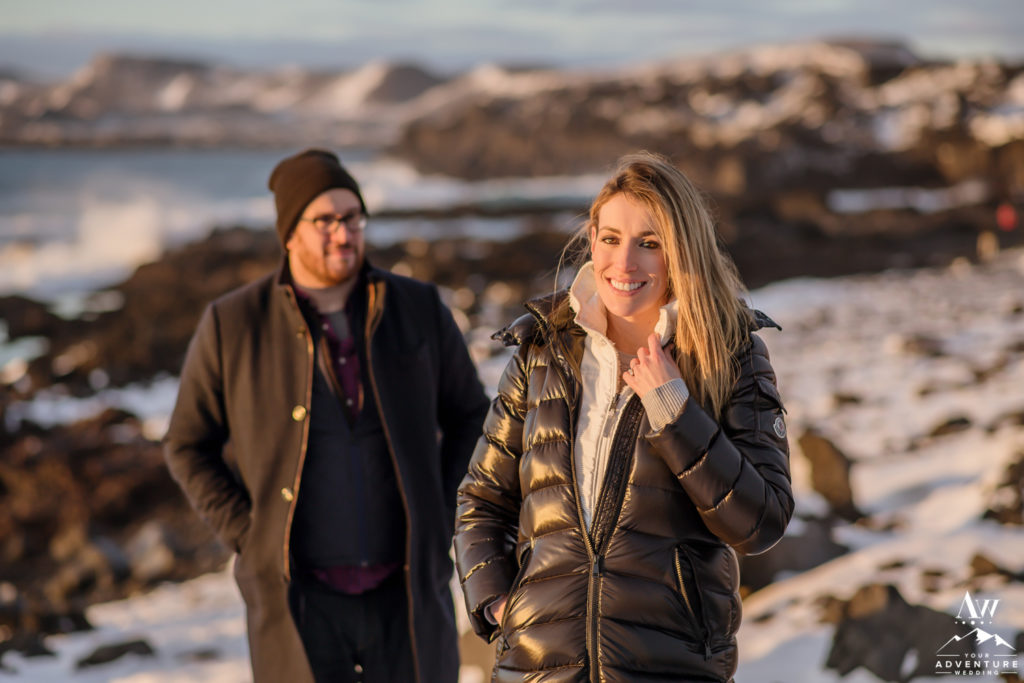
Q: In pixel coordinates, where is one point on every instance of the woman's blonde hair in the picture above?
(712, 322)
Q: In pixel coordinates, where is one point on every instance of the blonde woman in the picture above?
(636, 445)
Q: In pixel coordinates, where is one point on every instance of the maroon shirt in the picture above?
(336, 327)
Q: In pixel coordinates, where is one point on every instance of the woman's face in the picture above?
(629, 262)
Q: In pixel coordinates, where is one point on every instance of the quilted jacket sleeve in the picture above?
(489, 499)
(736, 471)
(194, 444)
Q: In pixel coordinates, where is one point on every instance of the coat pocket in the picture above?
(690, 592)
(524, 559)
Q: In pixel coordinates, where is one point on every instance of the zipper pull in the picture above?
(595, 569)
(609, 421)
(707, 651)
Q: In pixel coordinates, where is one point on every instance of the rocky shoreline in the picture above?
(89, 513)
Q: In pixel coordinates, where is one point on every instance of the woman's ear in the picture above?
(592, 238)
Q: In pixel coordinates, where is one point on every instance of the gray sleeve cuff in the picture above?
(664, 403)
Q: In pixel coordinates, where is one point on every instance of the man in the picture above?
(326, 415)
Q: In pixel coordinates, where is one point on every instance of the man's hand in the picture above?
(651, 368)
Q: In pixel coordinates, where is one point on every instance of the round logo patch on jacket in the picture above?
(779, 426)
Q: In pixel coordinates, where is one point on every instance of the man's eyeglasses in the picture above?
(330, 223)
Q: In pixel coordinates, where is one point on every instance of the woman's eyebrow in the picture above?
(612, 228)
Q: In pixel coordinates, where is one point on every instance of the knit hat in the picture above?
(299, 179)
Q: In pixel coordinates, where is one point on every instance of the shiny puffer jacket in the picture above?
(650, 592)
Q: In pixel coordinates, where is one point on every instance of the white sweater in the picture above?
(601, 405)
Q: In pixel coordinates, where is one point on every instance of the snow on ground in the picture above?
(197, 630)
(909, 350)
(856, 337)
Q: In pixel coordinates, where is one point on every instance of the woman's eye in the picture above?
(649, 244)
(609, 240)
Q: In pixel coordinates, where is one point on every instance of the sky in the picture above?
(51, 38)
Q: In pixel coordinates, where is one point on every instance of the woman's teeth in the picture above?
(626, 286)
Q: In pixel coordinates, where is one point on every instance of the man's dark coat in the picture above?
(237, 440)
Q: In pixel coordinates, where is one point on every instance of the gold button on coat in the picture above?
(299, 413)
(287, 494)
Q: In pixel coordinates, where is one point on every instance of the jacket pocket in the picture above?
(524, 559)
(689, 589)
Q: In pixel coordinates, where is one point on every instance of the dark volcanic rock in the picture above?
(1006, 504)
(161, 306)
(785, 175)
(402, 82)
(27, 318)
(953, 425)
(109, 653)
(919, 345)
(204, 654)
(27, 645)
(830, 474)
(983, 566)
(88, 513)
(878, 628)
(174, 291)
(752, 124)
(1014, 417)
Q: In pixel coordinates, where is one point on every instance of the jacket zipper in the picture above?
(607, 510)
(593, 593)
(698, 621)
(371, 326)
(297, 481)
(607, 429)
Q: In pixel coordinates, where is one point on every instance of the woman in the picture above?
(635, 446)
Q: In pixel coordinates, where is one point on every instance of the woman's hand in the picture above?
(651, 368)
(497, 609)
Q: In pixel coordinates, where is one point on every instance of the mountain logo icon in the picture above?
(960, 645)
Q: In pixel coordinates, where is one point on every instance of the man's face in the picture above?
(327, 246)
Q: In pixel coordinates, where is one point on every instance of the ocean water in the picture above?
(74, 220)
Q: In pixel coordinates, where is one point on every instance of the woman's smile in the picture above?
(629, 266)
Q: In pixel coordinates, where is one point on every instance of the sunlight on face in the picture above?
(318, 260)
(629, 264)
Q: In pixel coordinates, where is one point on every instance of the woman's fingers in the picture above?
(652, 367)
(630, 379)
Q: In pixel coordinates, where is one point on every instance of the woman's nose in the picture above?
(625, 258)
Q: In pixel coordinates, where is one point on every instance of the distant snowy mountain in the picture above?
(803, 112)
(120, 98)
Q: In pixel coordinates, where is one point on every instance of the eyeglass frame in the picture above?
(354, 223)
